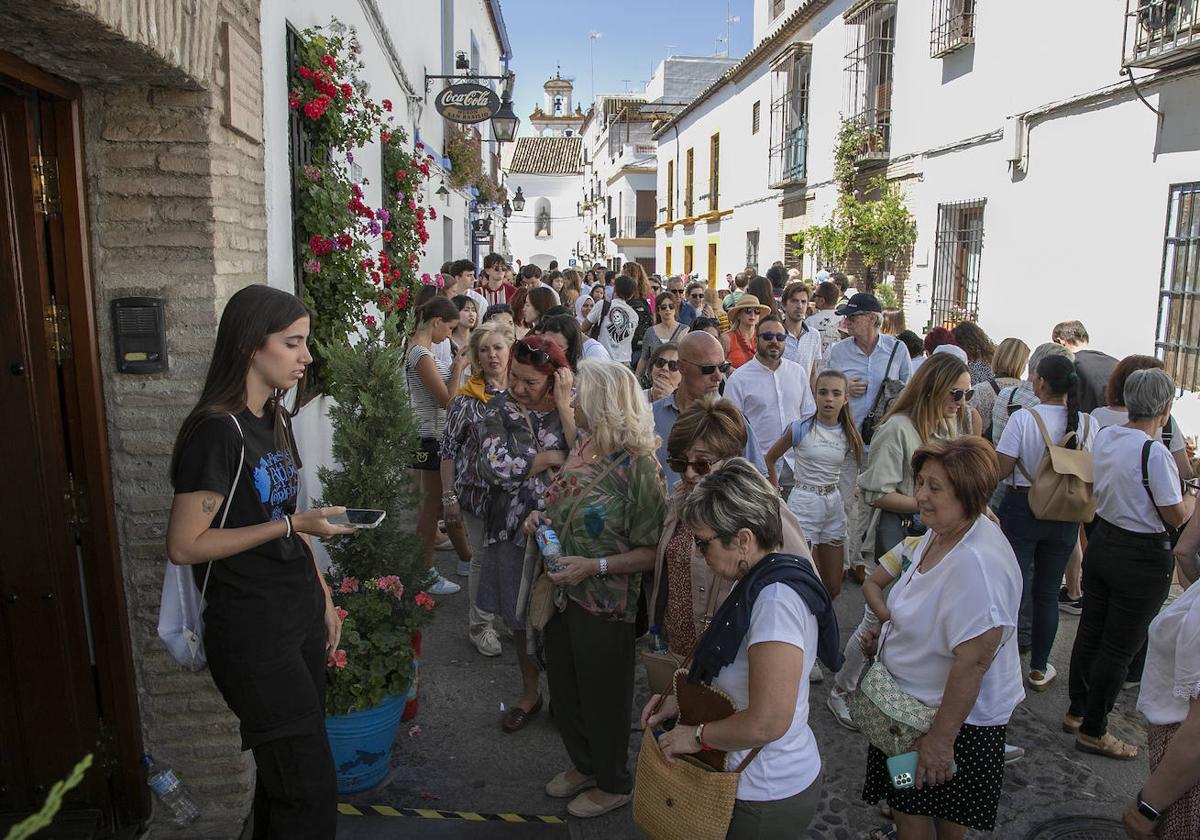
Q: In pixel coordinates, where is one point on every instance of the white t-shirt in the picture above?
(976, 586)
(1171, 678)
(1022, 438)
(819, 452)
(481, 304)
(790, 764)
(1117, 465)
(1106, 416)
(826, 323)
(616, 334)
(593, 349)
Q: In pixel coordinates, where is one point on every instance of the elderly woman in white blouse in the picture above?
(947, 640)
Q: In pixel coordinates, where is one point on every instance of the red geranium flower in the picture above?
(387, 236)
(423, 600)
(293, 100)
(337, 659)
(305, 73)
(387, 104)
(329, 62)
(347, 91)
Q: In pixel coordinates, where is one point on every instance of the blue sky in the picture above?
(637, 35)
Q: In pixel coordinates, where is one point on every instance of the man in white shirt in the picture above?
(825, 320)
(772, 391)
(617, 320)
(462, 282)
(803, 344)
(531, 278)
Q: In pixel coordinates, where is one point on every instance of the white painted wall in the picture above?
(566, 228)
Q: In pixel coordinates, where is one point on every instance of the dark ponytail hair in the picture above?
(251, 316)
(1060, 376)
(438, 307)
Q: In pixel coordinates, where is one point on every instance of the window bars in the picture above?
(789, 119)
(689, 191)
(1177, 338)
(754, 117)
(1161, 33)
(957, 257)
(714, 172)
(752, 249)
(777, 7)
(300, 154)
(953, 26)
(870, 51)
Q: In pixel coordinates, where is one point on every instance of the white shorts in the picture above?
(823, 518)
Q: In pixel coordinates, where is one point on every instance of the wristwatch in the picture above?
(1146, 809)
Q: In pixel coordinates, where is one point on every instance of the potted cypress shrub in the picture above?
(377, 575)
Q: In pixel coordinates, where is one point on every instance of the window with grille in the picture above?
(714, 172)
(870, 50)
(953, 26)
(1177, 339)
(789, 116)
(755, 112)
(957, 257)
(300, 154)
(777, 7)
(752, 249)
(689, 187)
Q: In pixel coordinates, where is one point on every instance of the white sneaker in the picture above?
(463, 569)
(1013, 753)
(443, 586)
(841, 709)
(1040, 680)
(487, 642)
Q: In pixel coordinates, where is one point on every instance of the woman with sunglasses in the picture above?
(667, 330)
(933, 405)
(607, 506)
(662, 376)
(525, 437)
(707, 434)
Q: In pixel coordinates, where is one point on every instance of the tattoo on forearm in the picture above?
(209, 504)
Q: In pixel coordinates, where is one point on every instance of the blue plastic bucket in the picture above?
(361, 743)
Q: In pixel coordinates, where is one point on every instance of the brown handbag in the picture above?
(689, 799)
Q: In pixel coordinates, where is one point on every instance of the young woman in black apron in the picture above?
(269, 622)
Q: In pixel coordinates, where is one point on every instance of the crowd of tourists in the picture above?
(645, 472)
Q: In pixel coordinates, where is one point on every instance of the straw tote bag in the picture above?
(689, 799)
(181, 607)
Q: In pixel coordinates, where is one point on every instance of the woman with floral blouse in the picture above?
(607, 506)
(525, 436)
(465, 492)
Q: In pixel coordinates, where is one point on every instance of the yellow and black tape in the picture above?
(433, 814)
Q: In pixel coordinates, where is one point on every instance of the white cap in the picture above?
(953, 350)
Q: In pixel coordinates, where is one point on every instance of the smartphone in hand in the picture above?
(359, 518)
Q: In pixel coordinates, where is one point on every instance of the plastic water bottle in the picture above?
(550, 546)
(657, 643)
(171, 792)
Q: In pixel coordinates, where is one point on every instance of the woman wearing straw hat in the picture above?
(744, 318)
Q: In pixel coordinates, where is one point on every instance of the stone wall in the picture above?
(176, 210)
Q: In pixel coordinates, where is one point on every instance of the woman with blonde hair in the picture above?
(933, 405)
(607, 506)
(1008, 367)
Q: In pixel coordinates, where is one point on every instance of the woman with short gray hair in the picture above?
(1128, 562)
(759, 650)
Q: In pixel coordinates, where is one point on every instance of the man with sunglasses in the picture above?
(702, 369)
(692, 303)
(772, 392)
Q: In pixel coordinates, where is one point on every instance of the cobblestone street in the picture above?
(457, 759)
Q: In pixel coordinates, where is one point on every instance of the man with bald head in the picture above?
(702, 369)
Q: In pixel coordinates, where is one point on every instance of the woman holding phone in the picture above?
(269, 621)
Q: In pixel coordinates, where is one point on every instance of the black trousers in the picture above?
(589, 665)
(279, 699)
(1126, 578)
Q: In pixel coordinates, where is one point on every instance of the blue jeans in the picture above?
(1043, 549)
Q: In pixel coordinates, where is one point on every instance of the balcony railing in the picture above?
(1161, 33)
(636, 228)
(953, 26)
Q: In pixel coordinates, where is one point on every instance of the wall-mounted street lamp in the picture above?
(518, 201)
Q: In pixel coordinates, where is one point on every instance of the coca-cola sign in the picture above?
(467, 102)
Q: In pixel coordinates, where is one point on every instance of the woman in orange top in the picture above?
(744, 318)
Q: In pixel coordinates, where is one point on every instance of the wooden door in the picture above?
(49, 698)
(712, 265)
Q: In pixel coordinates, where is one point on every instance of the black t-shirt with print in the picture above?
(271, 591)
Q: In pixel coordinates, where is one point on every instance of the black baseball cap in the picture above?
(858, 303)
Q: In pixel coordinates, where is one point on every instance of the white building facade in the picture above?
(1040, 183)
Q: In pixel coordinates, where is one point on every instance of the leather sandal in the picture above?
(1108, 746)
(1071, 724)
(516, 717)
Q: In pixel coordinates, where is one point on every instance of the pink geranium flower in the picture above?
(337, 659)
(349, 584)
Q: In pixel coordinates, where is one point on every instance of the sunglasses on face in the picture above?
(773, 336)
(697, 295)
(670, 364)
(958, 393)
(680, 465)
(708, 370)
(537, 358)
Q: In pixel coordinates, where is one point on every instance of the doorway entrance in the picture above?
(66, 675)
